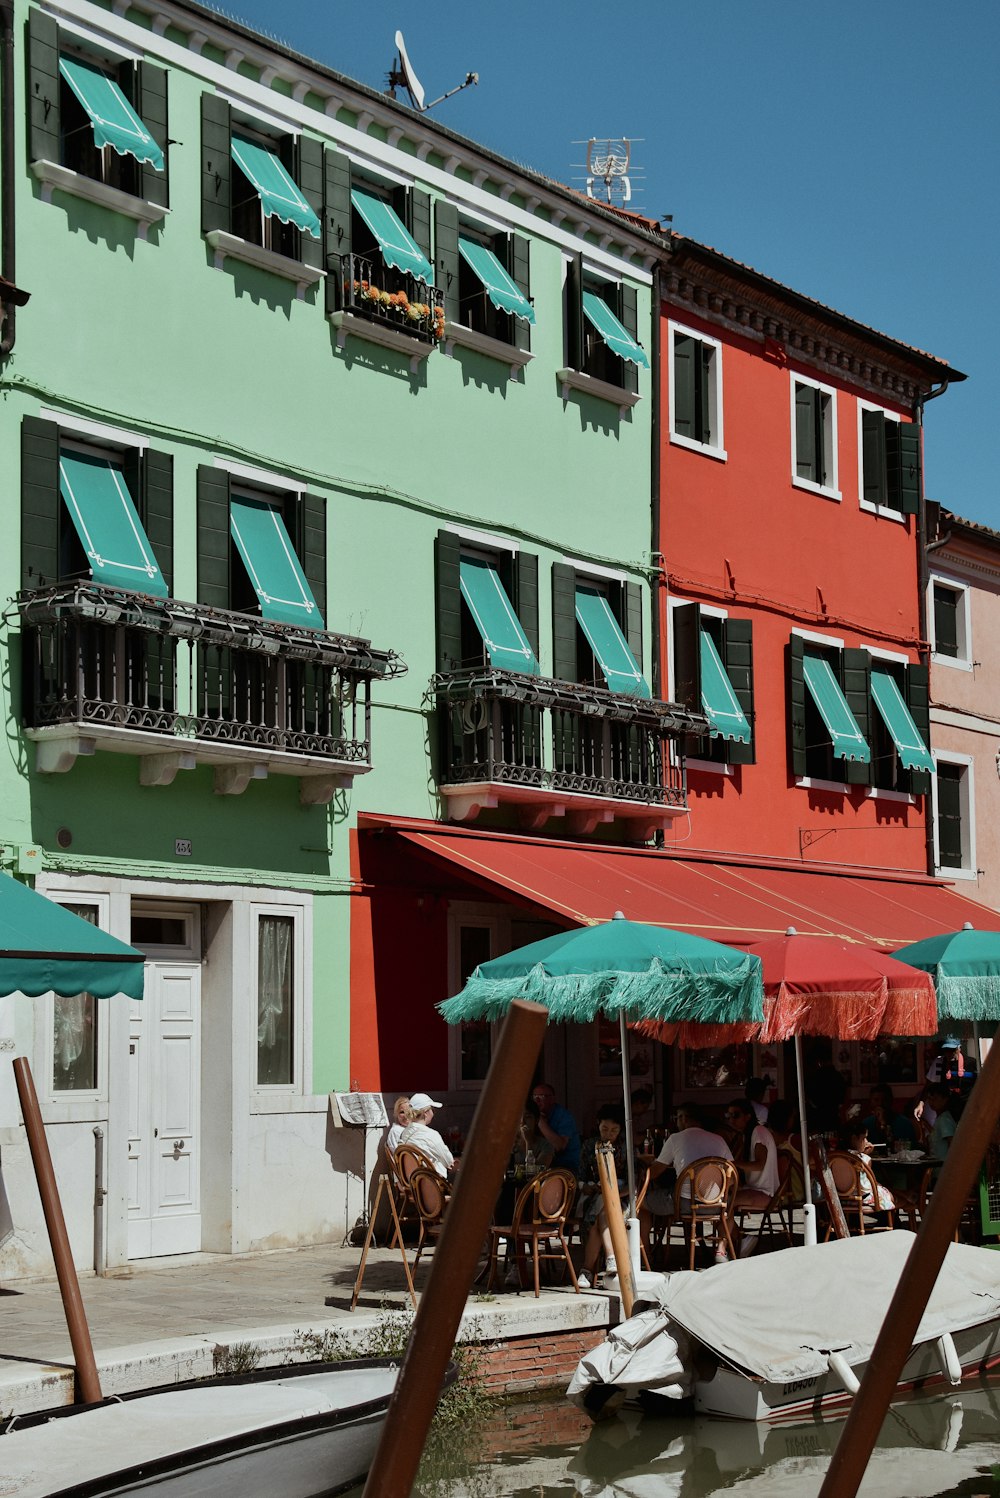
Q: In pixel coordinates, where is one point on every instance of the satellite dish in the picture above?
(401, 74)
(407, 77)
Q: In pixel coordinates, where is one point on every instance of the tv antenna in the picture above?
(401, 74)
(608, 178)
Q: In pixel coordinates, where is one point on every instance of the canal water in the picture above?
(939, 1446)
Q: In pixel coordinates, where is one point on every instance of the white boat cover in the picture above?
(779, 1315)
(639, 1354)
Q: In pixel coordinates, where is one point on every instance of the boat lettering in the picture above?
(804, 1446)
(797, 1384)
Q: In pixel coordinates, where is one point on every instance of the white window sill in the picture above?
(230, 245)
(883, 511)
(877, 793)
(348, 323)
(574, 379)
(954, 661)
(708, 767)
(822, 490)
(482, 343)
(837, 787)
(705, 448)
(52, 176)
(943, 872)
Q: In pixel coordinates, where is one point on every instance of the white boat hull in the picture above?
(301, 1432)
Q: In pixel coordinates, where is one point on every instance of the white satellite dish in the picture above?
(401, 74)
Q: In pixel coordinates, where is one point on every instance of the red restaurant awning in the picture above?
(728, 900)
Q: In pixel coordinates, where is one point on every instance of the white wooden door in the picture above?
(165, 1113)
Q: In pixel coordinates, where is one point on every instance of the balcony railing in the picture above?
(99, 660)
(503, 729)
(383, 295)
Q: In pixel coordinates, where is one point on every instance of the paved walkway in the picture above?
(167, 1321)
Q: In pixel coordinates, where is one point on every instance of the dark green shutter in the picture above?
(526, 599)
(151, 104)
(518, 264)
(685, 632)
(574, 313)
(951, 852)
(313, 543)
(213, 537)
(737, 657)
(155, 502)
(308, 175)
(632, 608)
(446, 263)
(628, 316)
(336, 223)
(873, 425)
(856, 684)
(683, 373)
(216, 163)
(806, 455)
(945, 621)
(902, 448)
(448, 600)
(918, 700)
(40, 501)
(796, 707)
(418, 221)
(564, 662)
(43, 83)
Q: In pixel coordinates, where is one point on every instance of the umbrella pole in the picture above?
(808, 1206)
(632, 1225)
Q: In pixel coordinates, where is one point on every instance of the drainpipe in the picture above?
(657, 560)
(100, 1195)
(923, 575)
(7, 170)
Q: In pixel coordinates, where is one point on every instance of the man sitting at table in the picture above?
(418, 1132)
(558, 1126)
(884, 1125)
(690, 1142)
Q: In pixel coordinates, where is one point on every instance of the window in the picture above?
(890, 462)
(814, 436)
(483, 278)
(75, 1031)
(901, 761)
(695, 391)
(954, 816)
(487, 605)
(96, 115)
(475, 1037)
(260, 188)
(95, 503)
(276, 1037)
(601, 323)
(951, 623)
(713, 674)
(597, 630)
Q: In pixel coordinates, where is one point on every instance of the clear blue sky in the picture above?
(849, 149)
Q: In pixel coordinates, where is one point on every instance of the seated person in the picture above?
(690, 1142)
(884, 1125)
(418, 1132)
(754, 1093)
(610, 1130)
(783, 1122)
(558, 1126)
(942, 1103)
(531, 1152)
(400, 1118)
(856, 1142)
(755, 1155)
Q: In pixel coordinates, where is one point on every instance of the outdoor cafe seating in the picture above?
(707, 1203)
(537, 1227)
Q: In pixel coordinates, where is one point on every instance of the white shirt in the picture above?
(429, 1140)
(765, 1179)
(395, 1135)
(688, 1145)
(760, 1111)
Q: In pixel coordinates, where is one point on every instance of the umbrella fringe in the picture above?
(969, 997)
(844, 1016)
(910, 1011)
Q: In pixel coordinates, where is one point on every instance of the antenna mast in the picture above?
(608, 178)
(402, 75)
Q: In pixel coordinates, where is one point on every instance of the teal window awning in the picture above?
(605, 638)
(720, 702)
(497, 283)
(910, 747)
(618, 340)
(44, 946)
(279, 196)
(114, 121)
(824, 688)
(399, 248)
(105, 518)
(506, 643)
(272, 566)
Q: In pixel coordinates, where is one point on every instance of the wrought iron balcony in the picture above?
(389, 299)
(556, 748)
(180, 684)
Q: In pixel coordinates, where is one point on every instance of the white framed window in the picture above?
(875, 492)
(475, 935)
(954, 802)
(949, 612)
(695, 391)
(814, 436)
(281, 1053)
(75, 1032)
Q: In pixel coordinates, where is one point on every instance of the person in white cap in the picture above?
(419, 1133)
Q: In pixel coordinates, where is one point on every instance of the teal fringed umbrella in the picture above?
(623, 970)
(965, 966)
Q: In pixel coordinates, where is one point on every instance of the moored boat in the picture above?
(788, 1334)
(300, 1431)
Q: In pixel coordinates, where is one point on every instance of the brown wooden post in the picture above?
(477, 1186)
(88, 1385)
(871, 1402)
(616, 1224)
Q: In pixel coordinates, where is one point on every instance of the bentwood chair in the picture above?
(430, 1196)
(706, 1203)
(780, 1203)
(537, 1226)
(404, 1160)
(858, 1191)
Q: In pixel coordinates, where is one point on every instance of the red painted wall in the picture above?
(739, 535)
